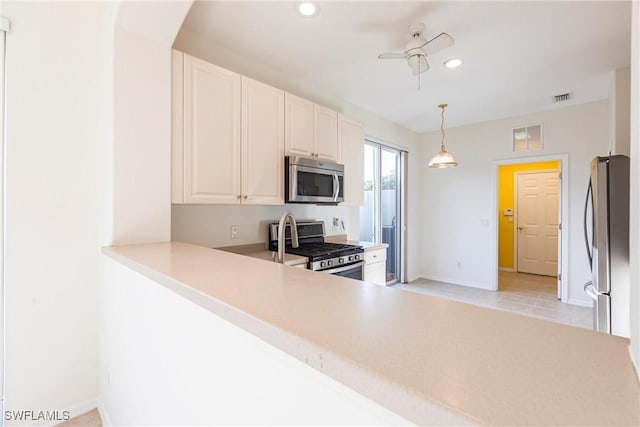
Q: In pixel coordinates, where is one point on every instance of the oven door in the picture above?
(313, 185)
(352, 271)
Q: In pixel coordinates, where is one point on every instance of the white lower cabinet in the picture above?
(375, 266)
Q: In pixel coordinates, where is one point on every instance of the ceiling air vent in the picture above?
(562, 97)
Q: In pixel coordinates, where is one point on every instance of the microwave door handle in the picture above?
(586, 234)
(293, 182)
(336, 186)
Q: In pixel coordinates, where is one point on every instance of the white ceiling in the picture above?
(516, 55)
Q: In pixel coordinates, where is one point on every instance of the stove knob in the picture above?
(329, 263)
(321, 264)
(356, 257)
(350, 258)
(341, 260)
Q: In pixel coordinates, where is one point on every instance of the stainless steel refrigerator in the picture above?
(606, 231)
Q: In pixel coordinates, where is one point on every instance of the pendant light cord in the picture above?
(443, 106)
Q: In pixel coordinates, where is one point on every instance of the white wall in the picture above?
(139, 176)
(635, 186)
(186, 221)
(167, 361)
(141, 140)
(209, 225)
(457, 200)
(619, 111)
(56, 132)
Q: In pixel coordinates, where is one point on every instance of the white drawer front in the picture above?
(378, 255)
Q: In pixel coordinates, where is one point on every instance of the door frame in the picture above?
(401, 245)
(515, 213)
(563, 233)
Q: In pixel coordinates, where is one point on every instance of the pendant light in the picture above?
(443, 159)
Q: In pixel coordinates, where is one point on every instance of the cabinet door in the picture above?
(262, 143)
(211, 133)
(351, 141)
(298, 121)
(325, 143)
(375, 273)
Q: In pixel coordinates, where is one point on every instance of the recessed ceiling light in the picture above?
(308, 9)
(453, 63)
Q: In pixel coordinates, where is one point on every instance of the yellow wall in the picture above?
(506, 176)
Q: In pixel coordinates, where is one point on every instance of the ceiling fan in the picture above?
(418, 48)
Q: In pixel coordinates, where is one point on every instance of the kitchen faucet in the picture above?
(281, 239)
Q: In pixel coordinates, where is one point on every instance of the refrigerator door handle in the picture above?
(586, 233)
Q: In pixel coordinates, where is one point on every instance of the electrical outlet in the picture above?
(234, 232)
(336, 221)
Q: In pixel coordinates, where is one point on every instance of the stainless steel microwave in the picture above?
(313, 181)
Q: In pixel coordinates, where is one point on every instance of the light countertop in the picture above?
(289, 259)
(413, 353)
(257, 250)
(367, 246)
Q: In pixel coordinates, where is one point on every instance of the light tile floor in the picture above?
(88, 419)
(520, 293)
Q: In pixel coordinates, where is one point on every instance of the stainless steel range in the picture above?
(333, 258)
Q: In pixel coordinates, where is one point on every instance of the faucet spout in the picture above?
(281, 238)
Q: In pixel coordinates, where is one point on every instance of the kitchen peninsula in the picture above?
(429, 360)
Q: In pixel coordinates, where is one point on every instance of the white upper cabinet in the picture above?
(351, 141)
(262, 143)
(311, 130)
(325, 132)
(211, 133)
(227, 136)
(230, 135)
(298, 133)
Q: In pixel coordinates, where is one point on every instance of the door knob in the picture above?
(520, 228)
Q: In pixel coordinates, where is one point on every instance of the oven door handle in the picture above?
(341, 269)
(336, 186)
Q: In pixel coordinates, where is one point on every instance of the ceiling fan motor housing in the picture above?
(416, 29)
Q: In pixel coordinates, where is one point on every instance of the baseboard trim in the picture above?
(456, 282)
(106, 419)
(579, 302)
(509, 270)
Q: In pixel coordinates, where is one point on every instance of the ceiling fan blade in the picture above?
(439, 42)
(420, 66)
(391, 55)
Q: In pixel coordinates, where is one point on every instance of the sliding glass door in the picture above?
(381, 215)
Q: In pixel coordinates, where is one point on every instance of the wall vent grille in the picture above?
(562, 97)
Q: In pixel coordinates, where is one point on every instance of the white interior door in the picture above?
(537, 226)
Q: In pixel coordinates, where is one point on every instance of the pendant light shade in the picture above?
(443, 159)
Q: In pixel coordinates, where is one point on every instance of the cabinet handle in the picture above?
(245, 197)
(239, 197)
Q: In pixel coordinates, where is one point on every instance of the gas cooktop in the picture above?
(322, 255)
(324, 250)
